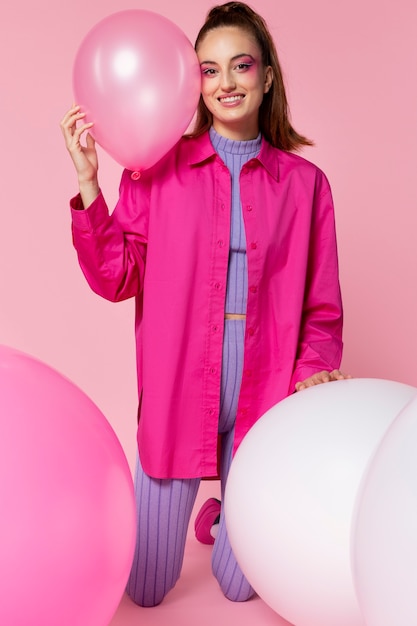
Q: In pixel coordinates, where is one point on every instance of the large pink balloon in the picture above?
(67, 508)
(137, 77)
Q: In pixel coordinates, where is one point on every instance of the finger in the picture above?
(68, 128)
(74, 108)
(337, 375)
(72, 111)
(311, 382)
(70, 119)
(70, 122)
(90, 139)
(322, 377)
(77, 133)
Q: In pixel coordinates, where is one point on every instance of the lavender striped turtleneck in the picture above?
(235, 154)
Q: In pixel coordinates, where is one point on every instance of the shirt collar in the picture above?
(201, 149)
(269, 157)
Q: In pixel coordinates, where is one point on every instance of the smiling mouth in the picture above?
(227, 99)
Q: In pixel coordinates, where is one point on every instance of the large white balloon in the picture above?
(384, 545)
(291, 495)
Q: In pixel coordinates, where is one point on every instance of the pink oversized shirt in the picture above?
(167, 245)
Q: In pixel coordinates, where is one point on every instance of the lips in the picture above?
(231, 99)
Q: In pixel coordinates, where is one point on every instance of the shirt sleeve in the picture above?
(320, 338)
(111, 248)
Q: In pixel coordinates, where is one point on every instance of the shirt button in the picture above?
(253, 288)
(223, 207)
(220, 243)
(248, 373)
(215, 328)
(253, 245)
(249, 207)
(135, 175)
(212, 370)
(251, 332)
(217, 286)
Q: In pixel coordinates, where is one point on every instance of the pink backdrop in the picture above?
(350, 72)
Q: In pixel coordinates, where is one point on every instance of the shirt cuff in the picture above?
(89, 219)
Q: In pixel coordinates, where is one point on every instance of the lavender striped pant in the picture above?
(165, 506)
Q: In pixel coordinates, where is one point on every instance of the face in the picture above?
(234, 81)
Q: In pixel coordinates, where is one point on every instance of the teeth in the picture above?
(230, 98)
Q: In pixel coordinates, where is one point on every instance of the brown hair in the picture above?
(274, 122)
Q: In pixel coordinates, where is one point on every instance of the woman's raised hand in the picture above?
(84, 157)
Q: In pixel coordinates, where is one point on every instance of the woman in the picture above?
(228, 246)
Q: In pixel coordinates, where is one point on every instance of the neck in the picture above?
(236, 133)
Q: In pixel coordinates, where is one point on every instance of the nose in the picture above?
(227, 82)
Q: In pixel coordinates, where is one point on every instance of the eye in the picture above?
(242, 67)
(208, 71)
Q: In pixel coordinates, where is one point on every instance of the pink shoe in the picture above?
(207, 517)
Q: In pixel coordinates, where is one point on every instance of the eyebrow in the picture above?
(235, 58)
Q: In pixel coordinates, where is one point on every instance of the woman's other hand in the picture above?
(321, 377)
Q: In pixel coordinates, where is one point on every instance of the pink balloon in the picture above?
(137, 77)
(67, 523)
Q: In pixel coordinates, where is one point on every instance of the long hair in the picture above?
(274, 118)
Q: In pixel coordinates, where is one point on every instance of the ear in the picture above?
(268, 79)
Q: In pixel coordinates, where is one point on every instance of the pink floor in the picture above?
(197, 600)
